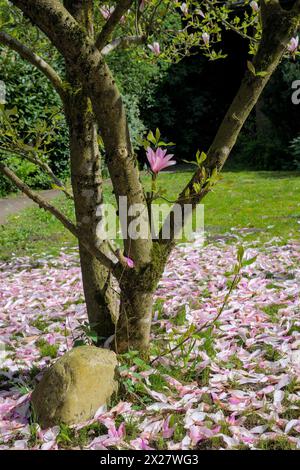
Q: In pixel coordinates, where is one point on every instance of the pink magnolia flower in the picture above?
(21, 445)
(113, 437)
(199, 433)
(141, 444)
(51, 338)
(106, 11)
(142, 5)
(184, 8)
(206, 38)
(167, 432)
(129, 262)
(155, 48)
(121, 407)
(254, 6)
(200, 12)
(119, 433)
(98, 443)
(293, 45)
(159, 159)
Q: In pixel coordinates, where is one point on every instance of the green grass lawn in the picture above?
(266, 204)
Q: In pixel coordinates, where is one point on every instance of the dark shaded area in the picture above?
(193, 97)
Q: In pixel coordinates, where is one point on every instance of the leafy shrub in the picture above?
(5, 186)
(258, 152)
(35, 99)
(27, 172)
(136, 125)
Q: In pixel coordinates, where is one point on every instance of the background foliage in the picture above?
(186, 100)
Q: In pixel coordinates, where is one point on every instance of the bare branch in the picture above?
(123, 42)
(112, 22)
(91, 248)
(35, 60)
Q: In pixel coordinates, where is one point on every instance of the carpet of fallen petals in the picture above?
(237, 387)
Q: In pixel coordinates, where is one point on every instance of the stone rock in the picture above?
(74, 388)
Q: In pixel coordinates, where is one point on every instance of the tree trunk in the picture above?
(137, 288)
(86, 180)
(87, 188)
(134, 325)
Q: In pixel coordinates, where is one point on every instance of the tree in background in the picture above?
(119, 283)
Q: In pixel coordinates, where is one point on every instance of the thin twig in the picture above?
(35, 60)
(112, 22)
(207, 324)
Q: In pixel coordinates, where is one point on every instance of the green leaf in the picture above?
(240, 253)
(228, 273)
(165, 144)
(251, 67)
(200, 157)
(92, 335)
(249, 261)
(190, 163)
(140, 363)
(197, 187)
(12, 112)
(187, 192)
(59, 188)
(137, 375)
(261, 74)
(151, 138)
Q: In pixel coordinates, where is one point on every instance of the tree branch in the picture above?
(91, 69)
(123, 42)
(43, 165)
(35, 60)
(238, 31)
(93, 250)
(112, 22)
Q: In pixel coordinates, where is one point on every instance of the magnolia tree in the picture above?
(119, 283)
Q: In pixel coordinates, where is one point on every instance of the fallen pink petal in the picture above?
(261, 386)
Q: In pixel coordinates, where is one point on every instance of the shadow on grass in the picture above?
(264, 174)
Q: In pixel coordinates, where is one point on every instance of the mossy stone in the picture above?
(74, 387)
